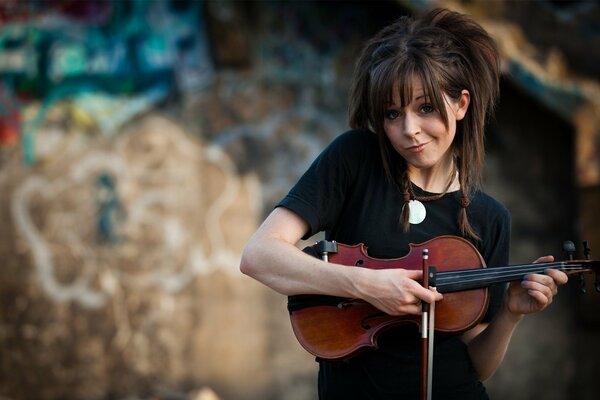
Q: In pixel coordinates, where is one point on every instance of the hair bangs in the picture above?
(387, 79)
(404, 82)
(433, 89)
(381, 92)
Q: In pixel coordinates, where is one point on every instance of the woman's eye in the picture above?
(427, 108)
(391, 114)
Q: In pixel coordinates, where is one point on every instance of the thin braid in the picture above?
(408, 195)
(466, 229)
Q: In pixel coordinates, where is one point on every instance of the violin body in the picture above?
(339, 328)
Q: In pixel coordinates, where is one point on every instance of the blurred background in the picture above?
(142, 142)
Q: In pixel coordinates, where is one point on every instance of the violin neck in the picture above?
(458, 280)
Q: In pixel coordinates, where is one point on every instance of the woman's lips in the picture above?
(417, 148)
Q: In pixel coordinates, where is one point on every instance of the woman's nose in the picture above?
(410, 124)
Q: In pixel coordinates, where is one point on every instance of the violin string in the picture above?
(489, 276)
(510, 267)
(492, 274)
(562, 265)
(525, 268)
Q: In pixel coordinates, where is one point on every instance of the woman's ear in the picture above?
(463, 104)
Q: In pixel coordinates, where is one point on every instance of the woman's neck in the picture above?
(437, 179)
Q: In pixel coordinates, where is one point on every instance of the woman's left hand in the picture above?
(536, 291)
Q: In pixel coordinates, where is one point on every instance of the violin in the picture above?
(334, 328)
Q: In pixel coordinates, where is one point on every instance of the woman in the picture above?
(408, 171)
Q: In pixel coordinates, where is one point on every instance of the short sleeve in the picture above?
(319, 196)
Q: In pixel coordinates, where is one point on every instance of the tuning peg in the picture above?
(582, 288)
(586, 250)
(569, 248)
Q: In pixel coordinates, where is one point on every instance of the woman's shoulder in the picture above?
(490, 206)
(359, 139)
(352, 146)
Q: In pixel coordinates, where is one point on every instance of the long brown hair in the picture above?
(448, 52)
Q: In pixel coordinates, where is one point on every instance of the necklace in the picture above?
(416, 212)
(416, 209)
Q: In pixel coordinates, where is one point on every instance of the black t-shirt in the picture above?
(345, 193)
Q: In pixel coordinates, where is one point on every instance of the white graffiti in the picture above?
(162, 243)
(42, 256)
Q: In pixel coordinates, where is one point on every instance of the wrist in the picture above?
(357, 279)
(347, 280)
(511, 316)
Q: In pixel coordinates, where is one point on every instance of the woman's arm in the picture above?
(488, 344)
(271, 257)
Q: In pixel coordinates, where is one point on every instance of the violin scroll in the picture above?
(569, 249)
(587, 254)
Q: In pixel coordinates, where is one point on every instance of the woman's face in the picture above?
(418, 132)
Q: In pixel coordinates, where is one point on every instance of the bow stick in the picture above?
(427, 331)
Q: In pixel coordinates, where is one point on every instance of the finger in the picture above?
(544, 259)
(549, 282)
(560, 278)
(543, 279)
(426, 295)
(415, 274)
(413, 308)
(417, 303)
(543, 286)
(417, 290)
(537, 281)
(541, 298)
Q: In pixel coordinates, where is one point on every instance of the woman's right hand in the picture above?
(394, 291)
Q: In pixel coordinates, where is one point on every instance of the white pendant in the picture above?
(416, 212)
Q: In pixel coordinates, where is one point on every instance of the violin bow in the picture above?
(427, 330)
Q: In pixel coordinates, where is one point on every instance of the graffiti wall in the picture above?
(141, 144)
